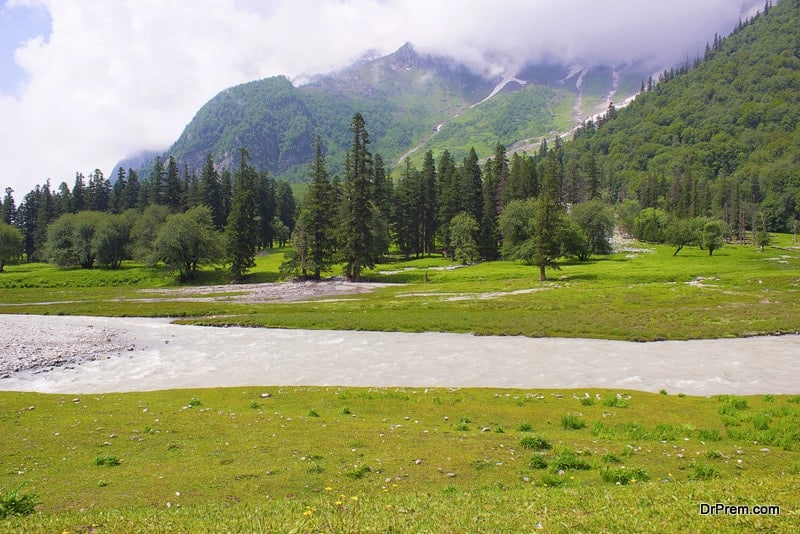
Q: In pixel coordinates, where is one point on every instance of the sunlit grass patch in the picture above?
(227, 466)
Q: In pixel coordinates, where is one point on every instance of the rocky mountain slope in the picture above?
(412, 103)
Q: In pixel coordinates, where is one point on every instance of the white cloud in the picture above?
(119, 76)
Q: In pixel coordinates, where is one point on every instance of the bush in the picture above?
(554, 481)
(709, 435)
(567, 459)
(701, 471)
(572, 422)
(107, 460)
(534, 442)
(16, 503)
(624, 476)
(359, 472)
(537, 461)
(614, 401)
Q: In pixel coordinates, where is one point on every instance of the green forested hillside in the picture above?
(718, 138)
(411, 102)
(404, 94)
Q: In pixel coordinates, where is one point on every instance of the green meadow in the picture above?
(739, 291)
(313, 459)
(308, 459)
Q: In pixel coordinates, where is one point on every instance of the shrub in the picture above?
(108, 460)
(709, 435)
(587, 401)
(701, 471)
(524, 427)
(537, 443)
(614, 401)
(568, 459)
(731, 404)
(15, 503)
(761, 421)
(359, 472)
(194, 401)
(537, 461)
(463, 424)
(553, 481)
(316, 469)
(624, 476)
(313, 413)
(572, 421)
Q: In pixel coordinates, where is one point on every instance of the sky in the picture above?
(85, 83)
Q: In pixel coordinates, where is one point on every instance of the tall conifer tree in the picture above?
(359, 215)
(242, 229)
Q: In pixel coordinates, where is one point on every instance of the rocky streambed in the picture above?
(30, 344)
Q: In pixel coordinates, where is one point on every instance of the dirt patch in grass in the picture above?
(267, 292)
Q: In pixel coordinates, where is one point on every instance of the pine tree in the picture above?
(211, 193)
(522, 180)
(360, 223)
(548, 218)
(286, 204)
(156, 183)
(406, 213)
(62, 200)
(26, 222)
(118, 191)
(173, 190)
(470, 179)
(448, 196)
(131, 194)
(314, 230)
(8, 214)
(384, 189)
(267, 209)
(45, 214)
(428, 205)
(489, 240)
(242, 229)
(78, 194)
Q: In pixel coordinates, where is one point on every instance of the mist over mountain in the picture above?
(413, 102)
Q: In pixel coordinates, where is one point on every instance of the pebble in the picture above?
(42, 350)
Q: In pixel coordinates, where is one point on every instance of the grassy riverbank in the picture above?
(417, 460)
(640, 295)
(404, 460)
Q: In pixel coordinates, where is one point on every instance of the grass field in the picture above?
(417, 460)
(739, 291)
(399, 460)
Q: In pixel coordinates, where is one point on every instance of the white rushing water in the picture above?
(167, 356)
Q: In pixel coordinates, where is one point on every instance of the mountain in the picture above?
(411, 102)
(720, 137)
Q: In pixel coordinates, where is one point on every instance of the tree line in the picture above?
(534, 208)
(99, 224)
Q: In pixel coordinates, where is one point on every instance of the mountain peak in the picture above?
(405, 57)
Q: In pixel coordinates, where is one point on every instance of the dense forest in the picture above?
(708, 152)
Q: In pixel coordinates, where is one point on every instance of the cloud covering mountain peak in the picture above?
(117, 77)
